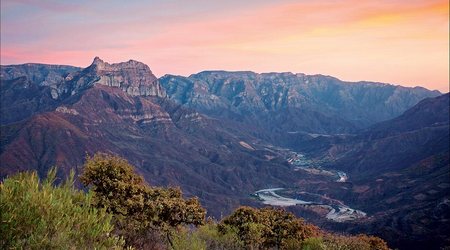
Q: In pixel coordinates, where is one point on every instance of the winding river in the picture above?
(338, 213)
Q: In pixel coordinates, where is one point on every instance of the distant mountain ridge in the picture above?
(244, 93)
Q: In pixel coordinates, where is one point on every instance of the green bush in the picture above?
(311, 244)
(268, 228)
(217, 240)
(40, 215)
(206, 237)
(186, 239)
(137, 207)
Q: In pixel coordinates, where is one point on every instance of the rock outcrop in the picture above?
(133, 77)
(33, 88)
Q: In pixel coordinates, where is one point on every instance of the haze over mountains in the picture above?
(224, 135)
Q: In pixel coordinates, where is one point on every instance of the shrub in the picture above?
(187, 239)
(137, 207)
(284, 226)
(268, 227)
(309, 244)
(206, 237)
(40, 215)
(359, 242)
(216, 240)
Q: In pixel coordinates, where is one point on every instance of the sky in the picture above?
(404, 42)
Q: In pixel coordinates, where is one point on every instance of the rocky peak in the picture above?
(98, 63)
(132, 76)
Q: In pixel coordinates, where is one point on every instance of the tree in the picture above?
(246, 222)
(40, 215)
(136, 206)
(284, 226)
(268, 227)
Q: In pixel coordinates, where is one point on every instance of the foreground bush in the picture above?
(268, 228)
(340, 242)
(40, 215)
(207, 236)
(138, 209)
(358, 242)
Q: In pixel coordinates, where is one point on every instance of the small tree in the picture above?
(40, 215)
(268, 227)
(136, 206)
(118, 189)
(246, 222)
(284, 226)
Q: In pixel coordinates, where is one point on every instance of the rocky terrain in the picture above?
(29, 89)
(320, 103)
(222, 136)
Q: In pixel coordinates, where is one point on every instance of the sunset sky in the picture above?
(400, 42)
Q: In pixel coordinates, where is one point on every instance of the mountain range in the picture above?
(222, 136)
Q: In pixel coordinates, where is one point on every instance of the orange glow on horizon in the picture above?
(399, 42)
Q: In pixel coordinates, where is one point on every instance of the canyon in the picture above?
(351, 157)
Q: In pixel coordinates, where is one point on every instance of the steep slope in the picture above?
(430, 112)
(418, 133)
(29, 88)
(400, 174)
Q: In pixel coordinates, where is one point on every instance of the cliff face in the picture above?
(361, 104)
(133, 77)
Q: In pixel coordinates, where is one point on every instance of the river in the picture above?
(338, 213)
